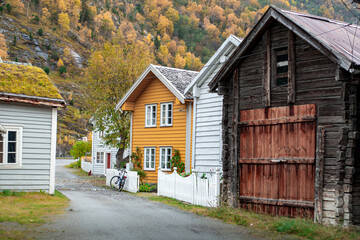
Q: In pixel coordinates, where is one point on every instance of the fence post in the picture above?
(217, 186)
(174, 173)
(193, 186)
(159, 180)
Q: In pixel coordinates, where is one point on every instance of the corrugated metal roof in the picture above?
(341, 37)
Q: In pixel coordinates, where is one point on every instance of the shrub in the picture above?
(47, 70)
(35, 19)
(1, 9)
(14, 41)
(31, 37)
(147, 187)
(176, 161)
(8, 7)
(16, 59)
(40, 32)
(62, 70)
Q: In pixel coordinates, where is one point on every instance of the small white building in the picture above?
(28, 123)
(103, 157)
(207, 131)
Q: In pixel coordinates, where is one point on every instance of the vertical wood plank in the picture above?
(267, 67)
(319, 173)
(291, 70)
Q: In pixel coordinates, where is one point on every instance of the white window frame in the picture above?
(98, 160)
(149, 152)
(166, 117)
(19, 140)
(101, 134)
(167, 157)
(152, 120)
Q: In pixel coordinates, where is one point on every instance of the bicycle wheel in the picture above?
(122, 184)
(114, 183)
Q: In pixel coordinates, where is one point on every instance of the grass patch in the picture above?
(75, 165)
(22, 211)
(299, 227)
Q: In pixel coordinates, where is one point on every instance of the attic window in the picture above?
(282, 67)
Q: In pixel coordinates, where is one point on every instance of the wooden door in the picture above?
(108, 160)
(277, 160)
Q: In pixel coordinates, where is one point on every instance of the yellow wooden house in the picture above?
(161, 117)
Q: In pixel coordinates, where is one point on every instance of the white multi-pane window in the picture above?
(149, 158)
(10, 146)
(150, 115)
(100, 157)
(166, 114)
(165, 157)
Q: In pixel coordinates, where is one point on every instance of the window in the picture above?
(166, 114)
(11, 146)
(282, 67)
(165, 157)
(149, 159)
(101, 134)
(100, 157)
(150, 115)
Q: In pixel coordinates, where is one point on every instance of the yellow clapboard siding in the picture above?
(174, 136)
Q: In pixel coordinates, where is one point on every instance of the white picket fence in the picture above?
(192, 189)
(131, 183)
(86, 166)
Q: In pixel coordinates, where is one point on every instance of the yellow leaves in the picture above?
(128, 32)
(62, 6)
(17, 6)
(172, 14)
(3, 47)
(179, 61)
(193, 62)
(163, 54)
(45, 17)
(60, 63)
(165, 25)
(64, 21)
(67, 55)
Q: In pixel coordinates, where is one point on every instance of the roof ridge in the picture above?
(179, 69)
(308, 15)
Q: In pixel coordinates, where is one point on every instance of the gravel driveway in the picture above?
(97, 213)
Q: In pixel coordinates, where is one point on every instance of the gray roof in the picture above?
(342, 37)
(180, 78)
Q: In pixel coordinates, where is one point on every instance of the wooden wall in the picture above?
(315, 83)
(175, 136)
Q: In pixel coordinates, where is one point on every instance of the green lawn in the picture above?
(22, 211)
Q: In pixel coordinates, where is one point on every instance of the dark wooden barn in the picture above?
(290, 129)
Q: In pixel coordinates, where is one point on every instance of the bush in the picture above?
(1, 9)
(31, 37)
(35, 19)
(76, 164)
(8, 7)
(47, 70)
(62, 70)
(40, 32)
(80, 148)
(147, 187)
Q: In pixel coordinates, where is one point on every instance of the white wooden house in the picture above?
(28, 120)
(207, 131)
(103, 157)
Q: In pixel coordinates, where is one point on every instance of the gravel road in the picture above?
(97, 213)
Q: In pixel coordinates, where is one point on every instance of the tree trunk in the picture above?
(119, 157)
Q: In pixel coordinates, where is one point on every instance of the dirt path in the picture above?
(97, 213)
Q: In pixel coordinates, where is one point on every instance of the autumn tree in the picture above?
(112, 70)
(64, 21)
(3, 48)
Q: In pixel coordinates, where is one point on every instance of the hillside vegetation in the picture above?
(54, 34)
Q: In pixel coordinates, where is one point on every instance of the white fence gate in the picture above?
(131, 183)
(192, 189)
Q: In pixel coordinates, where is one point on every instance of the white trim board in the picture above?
(53, 150)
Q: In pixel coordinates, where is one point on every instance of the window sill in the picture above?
(166, 125)
(10, 166)
(149, 170)
(150, 126)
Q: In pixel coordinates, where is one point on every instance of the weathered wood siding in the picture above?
(315, 84)
(208, 129)
(175, 136)
(33, 175)
(98, 146)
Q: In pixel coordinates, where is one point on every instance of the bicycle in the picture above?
(117, 183)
